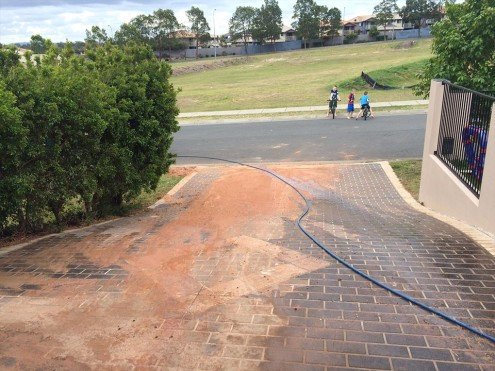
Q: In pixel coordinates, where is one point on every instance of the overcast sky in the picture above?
(68, 19)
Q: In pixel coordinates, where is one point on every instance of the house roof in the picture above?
(183, 34)
(287, 29)
(359, 18)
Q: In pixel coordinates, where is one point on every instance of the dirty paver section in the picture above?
(219, 277)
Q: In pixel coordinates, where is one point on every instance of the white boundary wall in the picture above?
(441, 190)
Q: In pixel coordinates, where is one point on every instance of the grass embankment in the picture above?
(301, 78)
(409, 174)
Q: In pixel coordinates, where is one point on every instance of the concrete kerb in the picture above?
(262, 111)
(174, 190)
(484, 239)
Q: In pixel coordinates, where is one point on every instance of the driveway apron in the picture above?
(220, 277)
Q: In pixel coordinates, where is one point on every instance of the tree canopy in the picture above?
(417, 12)
(384, 12)
(199, 25)
(267, 24)
(463, 47)
(241, 23)
(94, 130)
(307, 15)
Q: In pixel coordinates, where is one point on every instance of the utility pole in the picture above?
(214, 34)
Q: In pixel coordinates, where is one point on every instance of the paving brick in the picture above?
(233, 351)
(305, 343)
(382, 327)
(405, 339)
(369, 362)
(323, 358)
(284, 355)
(234, 339)
(365, 337)
(431, 354)
(388, 350)
(401, 364)
(325, 334)
(345, 347)
(447, 366)
(251, 329)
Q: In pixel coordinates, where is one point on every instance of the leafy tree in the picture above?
(138, 30)
(96, 35)
(307, 15)
(267, 23)
(350, 38)
(134, 149)
(463, 51)
(164, 24)
(241, 23)
(9, 58)
(418, 12)
(384, 13)
(63, 107)
(199, 25)
(331, 22)
(95, 129)
(374, 31)
(13, 142)
(38, 44)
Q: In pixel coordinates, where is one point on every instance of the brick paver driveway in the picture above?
(220, 278)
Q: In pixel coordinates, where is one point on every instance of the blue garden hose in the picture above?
(350, 266)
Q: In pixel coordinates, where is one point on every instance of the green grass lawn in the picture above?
(409, 174)
(301, 78)
(145, 199)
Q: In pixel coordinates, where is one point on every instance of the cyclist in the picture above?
(365, 103)
(332, 101)
(350, 105)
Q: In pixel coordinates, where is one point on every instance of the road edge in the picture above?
(477, 235)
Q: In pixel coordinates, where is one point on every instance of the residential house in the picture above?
(362, 24)
(185, 37)
(287, 34)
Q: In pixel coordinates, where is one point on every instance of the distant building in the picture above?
(362, 24)
(185, 37)
(287, 34)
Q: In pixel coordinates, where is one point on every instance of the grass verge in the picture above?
(409, 174)
(145, 199)
(293, 115)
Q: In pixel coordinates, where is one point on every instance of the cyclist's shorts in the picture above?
(363, 106)
(332, 103)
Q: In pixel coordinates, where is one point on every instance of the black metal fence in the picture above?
(463, 135)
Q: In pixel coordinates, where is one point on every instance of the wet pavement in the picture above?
(221, 278)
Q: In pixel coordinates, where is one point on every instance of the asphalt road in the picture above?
(383, 138)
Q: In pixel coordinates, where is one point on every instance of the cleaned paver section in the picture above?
(219, 277)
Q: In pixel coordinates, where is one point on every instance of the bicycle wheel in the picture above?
(333, 113)
(365, 114)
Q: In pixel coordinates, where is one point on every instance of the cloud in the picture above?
(61, 20)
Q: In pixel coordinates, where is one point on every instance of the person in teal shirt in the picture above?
(365, 103)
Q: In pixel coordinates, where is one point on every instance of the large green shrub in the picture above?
(94, 130)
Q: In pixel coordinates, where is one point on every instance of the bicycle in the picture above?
(366, 113)
(332, 106)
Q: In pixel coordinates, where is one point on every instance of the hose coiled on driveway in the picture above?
(366, 276)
